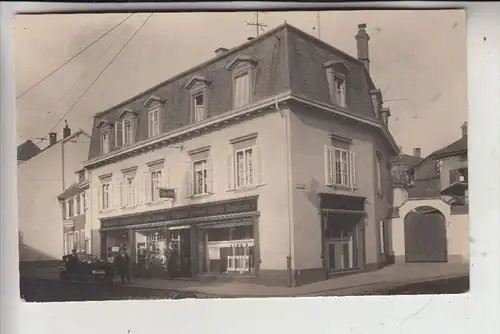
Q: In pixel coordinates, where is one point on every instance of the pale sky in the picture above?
(417, 56)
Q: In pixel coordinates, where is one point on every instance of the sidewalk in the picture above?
(389, 277)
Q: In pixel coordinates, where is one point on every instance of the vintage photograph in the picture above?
(241, 154)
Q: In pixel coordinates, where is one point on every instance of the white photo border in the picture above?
(477, 310)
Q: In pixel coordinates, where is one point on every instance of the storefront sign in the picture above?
(167, 193)
(242, 205)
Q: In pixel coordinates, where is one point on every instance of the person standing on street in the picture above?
(122, 262)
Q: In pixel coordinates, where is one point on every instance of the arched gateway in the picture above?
(425, 235)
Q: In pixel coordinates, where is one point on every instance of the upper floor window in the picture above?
(105, 142)
(199, 173)
(379, 175)
(78, 205)
(84, 201)
(340, 167)
(336, 71)
(198, 107)
(106, 196)
(338, 93)
(244, 163)
(459, 175)
(376, 97)
(155, 179)
(64, 211)
(241, 89)
(128, 138)
(154, 122)
(71, 208)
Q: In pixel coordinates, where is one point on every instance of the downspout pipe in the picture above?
(291, 280)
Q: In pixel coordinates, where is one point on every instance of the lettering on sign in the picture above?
(248, 204)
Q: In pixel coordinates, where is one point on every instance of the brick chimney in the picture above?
(66, 131)
(417, 152)
(362, 39)
(52, 138)
(464, 129)
(220, 51)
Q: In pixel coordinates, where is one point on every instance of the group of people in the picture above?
(159, 264)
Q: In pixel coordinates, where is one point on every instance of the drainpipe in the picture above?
(291, 280)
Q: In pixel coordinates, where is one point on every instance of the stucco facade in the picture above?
(41, 179)
(310, 198)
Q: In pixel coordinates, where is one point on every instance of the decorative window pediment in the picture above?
(155, 99)
(338, 66)
(197, 79)
(104, 122)
(241, 59)
(127, 112)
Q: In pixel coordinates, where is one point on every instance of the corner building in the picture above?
(269, 162)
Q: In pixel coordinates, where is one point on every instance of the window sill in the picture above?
(245, 189)
(340, 187)
(199, 196)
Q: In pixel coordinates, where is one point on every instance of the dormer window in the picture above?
(155, 104)
(243, 72)
(105, 143)
(126, 129)
(199, 98)
(105, 128)
(376, 97)
(336, 72)
(154, 123)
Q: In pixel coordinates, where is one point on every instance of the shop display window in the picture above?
(227, 249)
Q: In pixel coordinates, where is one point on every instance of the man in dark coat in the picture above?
(122, 263)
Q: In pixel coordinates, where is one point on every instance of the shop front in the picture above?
(342, 233)
(216, 238)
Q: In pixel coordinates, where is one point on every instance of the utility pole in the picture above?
(257, 24)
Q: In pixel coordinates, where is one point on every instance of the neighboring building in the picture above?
(73, 202)
(432, 224)
(26, 151)
(250, 164)
(40, 180)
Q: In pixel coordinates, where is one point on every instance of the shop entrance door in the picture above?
(181, 242)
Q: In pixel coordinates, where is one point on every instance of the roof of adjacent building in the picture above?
(406, 159)
(27, 150)
(458, 147)
(288, 60)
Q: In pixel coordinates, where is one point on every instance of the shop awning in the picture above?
(456, 193)
(209, 220)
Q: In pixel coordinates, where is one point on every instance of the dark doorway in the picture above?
(425, 236)
(181, 243)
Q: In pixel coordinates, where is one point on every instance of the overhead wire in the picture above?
(101, 73)
(76, 55)
(85, 72)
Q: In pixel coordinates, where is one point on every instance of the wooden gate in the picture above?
(425, 237)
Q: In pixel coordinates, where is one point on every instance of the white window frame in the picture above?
(242, 96)
(341, 91)
(108, 192)
(105, 143)
(71, 208)
(197, 109)
(156, 183)
(130, 191)
(245, 183)
(154, 128)
(78, 205)
(347, 166)
(128, 136)
(206, 184)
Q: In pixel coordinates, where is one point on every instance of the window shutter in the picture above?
(353, 173)
(257, 165)
(138, 189)
(189, 179)
(230, 171)
(99, 198)
(121, 194)
(328, 166)
(167, 178)
(112, 199)
(210, 183)
(147, 187)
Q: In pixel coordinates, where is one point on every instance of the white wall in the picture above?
(40, 181)
(457, 230)
(272, 203)
(309, 135)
